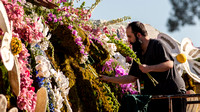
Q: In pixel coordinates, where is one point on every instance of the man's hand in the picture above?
(162, 67)
(144, 68)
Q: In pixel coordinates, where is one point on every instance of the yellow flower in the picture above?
(16, 46)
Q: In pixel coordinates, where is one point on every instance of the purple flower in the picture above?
(50, 15)
(60, 18)
(68, 15)
(49, 19)
(108, 65)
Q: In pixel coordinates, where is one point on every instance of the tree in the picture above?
(184, 12)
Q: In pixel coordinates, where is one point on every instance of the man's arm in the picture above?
(156, 68)
(120, 80)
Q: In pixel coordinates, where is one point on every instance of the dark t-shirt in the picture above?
(170, 82)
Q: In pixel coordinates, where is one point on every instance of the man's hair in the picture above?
(138, 27)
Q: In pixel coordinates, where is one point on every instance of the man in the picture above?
(158, 62)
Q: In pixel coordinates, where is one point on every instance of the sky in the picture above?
(153, 12)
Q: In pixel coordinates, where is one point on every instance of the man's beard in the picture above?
(137, 48)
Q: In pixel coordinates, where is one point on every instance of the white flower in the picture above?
(58, 99)
(62, 81)
(45, 73)
(43, 66)
(84, 58)
(111, 48)
(122, 60)
(104, 38)
(184, 55)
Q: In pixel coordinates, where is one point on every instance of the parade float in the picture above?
(51, 58)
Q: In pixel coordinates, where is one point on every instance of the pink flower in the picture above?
(70, 27)
(58, 10)
(82, 51)
(78, 39)
(79, 43)
(32, 88)
(75, 33)
(55, 20)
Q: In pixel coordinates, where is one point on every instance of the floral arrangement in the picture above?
(77, 68)
(113, 68)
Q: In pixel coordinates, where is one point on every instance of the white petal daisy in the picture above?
(184, 54)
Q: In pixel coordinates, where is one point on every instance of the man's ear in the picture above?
(139, 35)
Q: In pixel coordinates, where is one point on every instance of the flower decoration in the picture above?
(185, 55)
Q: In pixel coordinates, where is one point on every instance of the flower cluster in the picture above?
(27, 98)
(63, 88)
(112, 67)
(16, 46)
(27, 29)
(79, 42)
(92, 38)
(66, 12)
(45, 72)
(43, 66)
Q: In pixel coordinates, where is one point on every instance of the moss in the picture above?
(99, 55)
